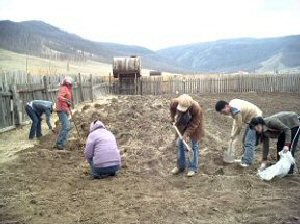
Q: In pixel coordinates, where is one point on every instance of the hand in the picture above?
(263, 166)
(285, 149)
(69, 102)
(186, 139)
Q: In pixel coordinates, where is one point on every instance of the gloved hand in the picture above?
(186, 138)
(69, 102)
(285, 149)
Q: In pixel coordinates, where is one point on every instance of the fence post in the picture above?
(80, 88)
(91, 87)
(17, 104)
(141, 86)
(109, 84)
(135, 84)
(46, 86)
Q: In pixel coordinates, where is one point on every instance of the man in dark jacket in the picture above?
(35, 109)
(187, 115)
(285, 126)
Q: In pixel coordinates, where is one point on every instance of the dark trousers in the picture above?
(281, 141)
(102, 172)
(36, 127)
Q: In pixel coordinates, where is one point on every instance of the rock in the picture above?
(33, 201)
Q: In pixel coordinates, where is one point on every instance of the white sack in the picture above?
(280, 169)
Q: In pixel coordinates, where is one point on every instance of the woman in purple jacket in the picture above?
(102, 152)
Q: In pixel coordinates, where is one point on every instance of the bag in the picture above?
(279, 169)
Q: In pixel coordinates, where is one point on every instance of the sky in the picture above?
(158, 24)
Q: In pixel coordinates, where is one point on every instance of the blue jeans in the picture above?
(249, 145)
(36, 127)
(102, 172)
(182, 162)
(63, 133)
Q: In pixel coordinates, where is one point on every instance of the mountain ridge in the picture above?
(228, 55)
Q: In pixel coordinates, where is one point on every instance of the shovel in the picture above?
(229, 154)
(77, 131)
(188, 148)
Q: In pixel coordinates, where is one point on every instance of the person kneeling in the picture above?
(102, 152)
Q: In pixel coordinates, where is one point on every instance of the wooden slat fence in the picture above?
(16, 89)
(219, 84)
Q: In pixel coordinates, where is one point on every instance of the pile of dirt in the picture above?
(141, 126)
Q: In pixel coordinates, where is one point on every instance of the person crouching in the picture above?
(285, 126)
(102, 152)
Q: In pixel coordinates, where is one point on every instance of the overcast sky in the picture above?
(158, 24)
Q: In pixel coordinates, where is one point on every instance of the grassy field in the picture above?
(11, 61)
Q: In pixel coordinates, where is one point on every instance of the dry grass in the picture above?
(11, 61)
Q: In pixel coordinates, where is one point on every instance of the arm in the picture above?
(266, 143)
(236, 126)
(89, 149)
(48, 118)
(197, 118)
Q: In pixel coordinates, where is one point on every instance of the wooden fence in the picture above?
(218, 84)
(16, 89)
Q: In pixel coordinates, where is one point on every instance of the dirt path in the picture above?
(41, 185)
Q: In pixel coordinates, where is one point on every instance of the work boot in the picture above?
(191, 173)
(176, 170)
(58, 147)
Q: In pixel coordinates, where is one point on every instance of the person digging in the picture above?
(35, 109)
(241, 112)
(187, 116)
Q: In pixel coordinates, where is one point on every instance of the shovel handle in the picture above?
(181, 138)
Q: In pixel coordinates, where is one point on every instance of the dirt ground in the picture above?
(42, 185)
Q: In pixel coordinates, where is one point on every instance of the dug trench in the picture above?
(43, 185)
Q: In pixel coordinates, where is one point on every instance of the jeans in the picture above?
(181, 157)
(280, 144)
(249, 145)
(63, 133)
(36, 127)
(102, 172)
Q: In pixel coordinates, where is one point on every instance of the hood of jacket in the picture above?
(96, 125)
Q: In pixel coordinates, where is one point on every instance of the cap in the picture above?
(184, 102)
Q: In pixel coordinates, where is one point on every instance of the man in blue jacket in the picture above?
(35, 109)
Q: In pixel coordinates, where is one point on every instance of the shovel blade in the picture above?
(228, 157)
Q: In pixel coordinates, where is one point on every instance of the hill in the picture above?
(46, 41)
(245, 54)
